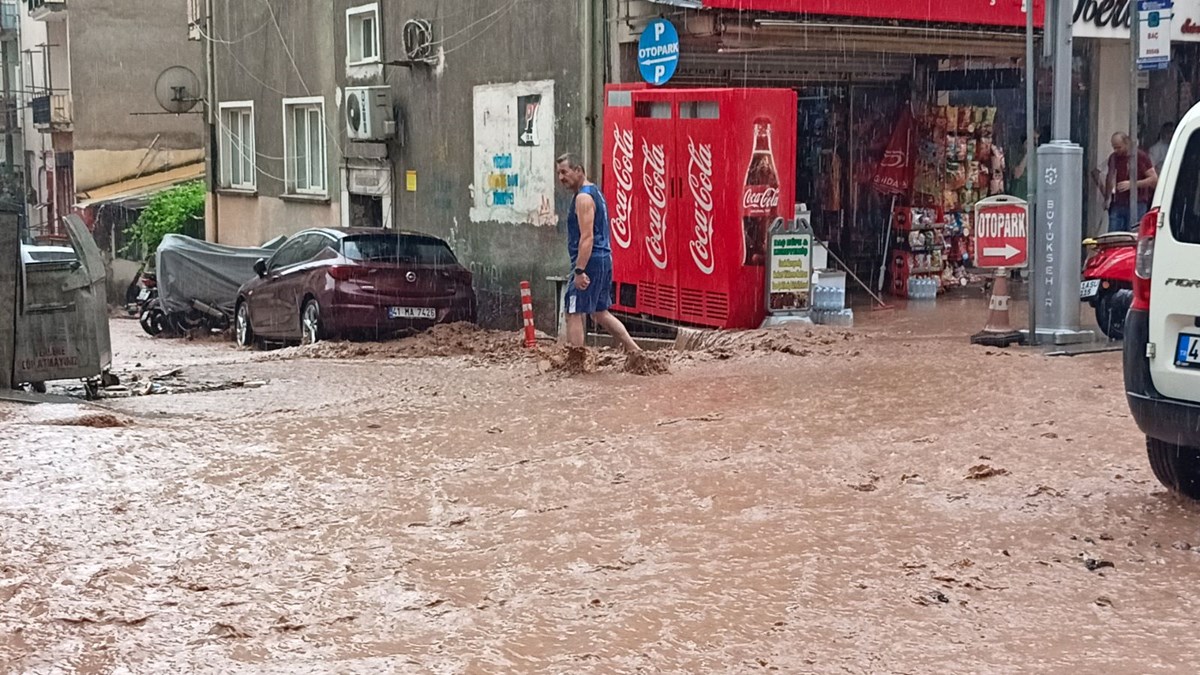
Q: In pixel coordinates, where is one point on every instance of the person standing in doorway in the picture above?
(590, 290)
(1026, 167)
(1118, 185)
(1158, 151)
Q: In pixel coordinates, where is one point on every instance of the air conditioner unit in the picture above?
(369, 114)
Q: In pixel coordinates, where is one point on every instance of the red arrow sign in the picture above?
(1001, 233)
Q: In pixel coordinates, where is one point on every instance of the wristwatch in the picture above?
(579, 271)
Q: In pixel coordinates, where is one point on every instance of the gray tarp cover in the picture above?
(189, 269)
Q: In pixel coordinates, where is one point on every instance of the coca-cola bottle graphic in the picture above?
(760, 197)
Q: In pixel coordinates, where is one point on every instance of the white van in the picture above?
(1162, 331)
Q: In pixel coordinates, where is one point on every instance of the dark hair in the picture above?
(572, 160)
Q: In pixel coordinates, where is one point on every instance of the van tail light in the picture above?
(347, 272)
(1147, 231)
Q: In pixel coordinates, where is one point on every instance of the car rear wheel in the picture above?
(1175, 466)
(242, 328)
(1111, 308)
(310, 323)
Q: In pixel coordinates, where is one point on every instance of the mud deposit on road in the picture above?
(457, 339)
(920, 507)
(92, 420)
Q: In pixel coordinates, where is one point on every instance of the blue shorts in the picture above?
(598, 296)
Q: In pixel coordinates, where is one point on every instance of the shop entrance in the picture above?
(843, 133)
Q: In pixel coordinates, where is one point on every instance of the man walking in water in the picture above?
(590, 291)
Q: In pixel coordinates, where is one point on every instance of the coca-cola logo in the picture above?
(760, 198)
(700, 173)
(1103, 13)
(654, 180)
(622, 162)
(1190, 27)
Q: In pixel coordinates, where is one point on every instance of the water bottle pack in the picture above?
(830, 298)
(923, 288)
(843, 318)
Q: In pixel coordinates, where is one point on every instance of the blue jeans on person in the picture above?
(1118, 217)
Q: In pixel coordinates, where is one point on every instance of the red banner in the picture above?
(972, 12)
(894, 175)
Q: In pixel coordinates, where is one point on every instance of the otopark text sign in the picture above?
(1002, 233)
(658, 52)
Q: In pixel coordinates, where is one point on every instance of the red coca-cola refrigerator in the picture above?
(711, 169)
(617, 180)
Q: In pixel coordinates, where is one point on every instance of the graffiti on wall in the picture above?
(514, 153)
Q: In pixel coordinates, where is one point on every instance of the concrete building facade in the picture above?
(88, 75)
(461, 110)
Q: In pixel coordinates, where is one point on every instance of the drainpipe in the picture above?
(592, 26)
(211, 119)
(587, 30)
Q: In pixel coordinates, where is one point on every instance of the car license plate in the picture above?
(1187, 354)
(412, 313)
(143, 294)
(1089, 289)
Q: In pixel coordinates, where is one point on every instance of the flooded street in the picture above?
(886, 500)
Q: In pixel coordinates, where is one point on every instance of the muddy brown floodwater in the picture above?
(888, 499)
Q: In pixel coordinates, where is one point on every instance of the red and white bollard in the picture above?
(527, 313)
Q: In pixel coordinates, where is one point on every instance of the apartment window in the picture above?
(237, 145)
(362, 34)
(304, 143)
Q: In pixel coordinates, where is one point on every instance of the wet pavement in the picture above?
(890, 500)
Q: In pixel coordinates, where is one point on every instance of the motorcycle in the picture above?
(194, 285)
(1108, 280)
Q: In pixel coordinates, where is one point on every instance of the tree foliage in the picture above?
(177, 210)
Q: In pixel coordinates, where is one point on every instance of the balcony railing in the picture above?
(46, 10)
(52, 112)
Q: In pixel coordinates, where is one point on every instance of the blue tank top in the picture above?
(600, 245)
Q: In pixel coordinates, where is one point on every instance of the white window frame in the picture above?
(354, 18)
(291, 170)
(248, 151)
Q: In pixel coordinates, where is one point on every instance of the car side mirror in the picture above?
(260, 267)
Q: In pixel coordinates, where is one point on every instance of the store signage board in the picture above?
(789, 273)
(1154, 34)
(1110, 19)
(971, 12)
(658, 52)
(1002, 233)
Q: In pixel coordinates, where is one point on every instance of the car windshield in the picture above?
(398, 248)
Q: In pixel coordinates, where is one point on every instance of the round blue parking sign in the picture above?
(658, 52)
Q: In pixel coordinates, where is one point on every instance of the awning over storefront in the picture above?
(134, 192)
(972, 12)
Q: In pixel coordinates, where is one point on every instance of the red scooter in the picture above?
(1108, 279)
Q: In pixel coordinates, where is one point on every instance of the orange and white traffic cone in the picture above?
(527, 314)
(998, 332)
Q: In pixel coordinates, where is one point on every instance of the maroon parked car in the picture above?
(353, 283)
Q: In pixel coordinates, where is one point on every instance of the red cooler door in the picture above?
(619, 178)
(707, 252)
(654, 203)
(763, 167)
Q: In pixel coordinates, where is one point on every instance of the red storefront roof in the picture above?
(977, 12)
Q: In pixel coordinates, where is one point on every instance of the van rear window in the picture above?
(1185, 202)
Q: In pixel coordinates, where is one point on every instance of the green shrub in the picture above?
(177, 210)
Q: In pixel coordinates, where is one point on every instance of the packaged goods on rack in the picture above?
(958, 164)
(918, 252)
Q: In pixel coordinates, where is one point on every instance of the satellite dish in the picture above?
(177, 89)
